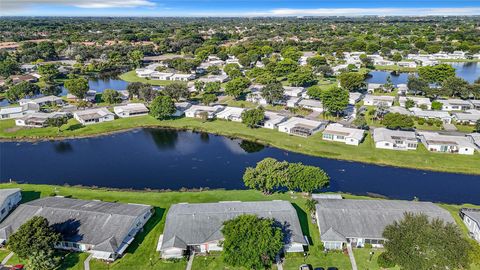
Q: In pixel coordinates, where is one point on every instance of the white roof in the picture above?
(310, 103)
(338, 129)
(195, 108)
(383, 134)
(292, 91)
(374, 85)
(379, 98)
(92, 113)
(231, 111)
(274, 118)
(400, 110)
(131, 107)
(40, 99)
(454, 102)
(435, 138)
(292, 122)
(19, 109)
(468, 115)
(417, 100)
(178, 75)
(431, 114)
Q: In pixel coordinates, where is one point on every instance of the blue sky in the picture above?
(236, 7)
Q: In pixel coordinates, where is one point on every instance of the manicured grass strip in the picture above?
(131, 76)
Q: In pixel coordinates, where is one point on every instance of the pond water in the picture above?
(168, 159)
(101, 84)
(468, 71)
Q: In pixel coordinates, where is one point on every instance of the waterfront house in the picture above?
(445, 117)
(93, 116)
(195, 111)
(471, 218)
(436, 142)
(354, 97)
(407, 64)
(130, 110)
(103, 229)
(43, 101)
(231, 114)
(9, 199)
(273, 119)
(455, 105)
(468, 117)
(358, 222)
(371, 100)
(181, 107)
(337, 132)
(90, 96)
(18, 111)
(394, 139)
(301, 126)
(197, 226)
(419, 102)
(37, 119)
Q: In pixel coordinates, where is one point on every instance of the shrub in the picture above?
(384, 261)
(421, 121)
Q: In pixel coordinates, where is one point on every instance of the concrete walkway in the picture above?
(190, 261)
(86, 263)
(5, 260)
(352, 258)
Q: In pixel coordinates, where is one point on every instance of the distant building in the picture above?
(371, 100)
(418, 102)
(394, 139)
(197, 227)
(455, 105)
(231, 114)
(130, 110)
(18, 111)
(43, 101)
(93, 116)
(9, 199)
(103, 229)
(360, 222)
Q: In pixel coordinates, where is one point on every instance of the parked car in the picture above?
(17, 267)
(305, 267)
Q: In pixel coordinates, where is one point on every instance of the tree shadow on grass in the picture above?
(303, 217)
(69, 260)
(30, 196)
(75, 127)
(152, 222)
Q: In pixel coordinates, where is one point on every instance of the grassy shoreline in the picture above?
(314, 145)
(142, 255)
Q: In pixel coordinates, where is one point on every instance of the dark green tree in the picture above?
(111, 96)
(335, 100)
(398, 121)
(303, 76)
(306, 178)
(351, 81)
(177, 90)
(236, 87)
(436, 74)
(77, 87)
(252, 118)
(21, 90)
(268, 175)
(251, 242)
(162, 107)
(208, 99)
(273, 92)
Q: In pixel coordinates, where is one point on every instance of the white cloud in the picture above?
(371, 11)
(18, 5)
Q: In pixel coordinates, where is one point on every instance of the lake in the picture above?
(168, 159)
(468, 71)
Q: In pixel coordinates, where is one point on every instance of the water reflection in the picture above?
(163, 138)
(251, 147)
(63, 147)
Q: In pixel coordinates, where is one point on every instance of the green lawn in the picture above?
(141, 253)
(131, 76)
(396, 68)
(314, 145)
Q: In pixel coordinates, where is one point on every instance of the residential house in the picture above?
(93, 116)
(337, 132)
(273, 119)
(407, 64)
(292, 102)
(9, 199)
(445, 117)
(455, 105)
(301, 126)
(373, 87)
(214, 78)
(471, 218)
(255, 94)
(90, 96)
(436, 142)
(23, 78)
(18, 111)
(103, 229)
(394, 139)
(475, 103)
(130, 110)
(475, 139)
(196, 111)
(371, 100)
(402, 88)
(28, 67)
(354, 97)
(311, 104)
(419, 102)
(400, 110)
(293, 91)
(181, 107)
(43, 101)
(198, 227)
(182, 77)
(161, 76)
(37, 119)
(359, 222)
(468, 117)
(231, 114)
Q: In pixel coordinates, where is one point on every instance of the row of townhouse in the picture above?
(434, 142)
(102, 114)
(103, 229)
